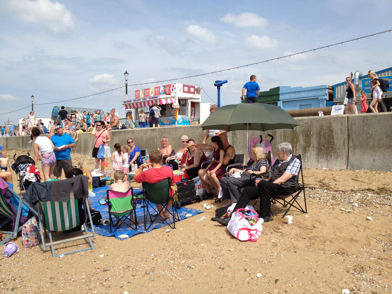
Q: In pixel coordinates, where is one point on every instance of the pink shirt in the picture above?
(101, 138)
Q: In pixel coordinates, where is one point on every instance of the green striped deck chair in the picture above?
(61, 216)
(121, 206)
(6, 211)
(158, 193)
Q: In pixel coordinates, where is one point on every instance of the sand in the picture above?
(324, 251)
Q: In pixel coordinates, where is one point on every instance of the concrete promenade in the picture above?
(339, 142)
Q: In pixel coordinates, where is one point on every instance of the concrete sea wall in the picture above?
(340, 142)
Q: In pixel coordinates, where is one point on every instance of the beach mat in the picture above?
(104, 230)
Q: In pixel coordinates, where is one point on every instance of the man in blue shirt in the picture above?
(62, 149)
(252, 89)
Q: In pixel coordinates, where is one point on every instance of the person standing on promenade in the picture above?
(350, 94)
(252, 90)
(374, 77)
(62, 149)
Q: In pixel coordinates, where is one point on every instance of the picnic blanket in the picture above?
(104, 230)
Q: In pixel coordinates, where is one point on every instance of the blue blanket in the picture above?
(104, 230)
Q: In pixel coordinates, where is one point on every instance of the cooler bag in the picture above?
(186, 193)
(245, 225)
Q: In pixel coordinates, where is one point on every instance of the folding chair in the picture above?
(238, 162)
(9, 215)
(121, 206)
(62, 216)
(295, 195)
(158, 193)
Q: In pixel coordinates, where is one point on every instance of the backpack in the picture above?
(152, 113)
(384, 85)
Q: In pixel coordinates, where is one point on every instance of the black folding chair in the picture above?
(292, 200)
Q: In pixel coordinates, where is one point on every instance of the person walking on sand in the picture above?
(62, 149)
(251, 90)
(102, 137)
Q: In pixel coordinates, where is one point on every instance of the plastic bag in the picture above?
(30, 236)
(245, 225)
(101, 152)
(107, 153)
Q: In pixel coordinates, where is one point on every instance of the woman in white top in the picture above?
(43, 150)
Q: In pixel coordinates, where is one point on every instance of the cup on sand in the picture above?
(288, 219)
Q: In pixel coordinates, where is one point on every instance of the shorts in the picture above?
(95, 152)
(66, 165)
(251, 99)
(154, 121)
(48, 159)
(350, 100)
(4, 168)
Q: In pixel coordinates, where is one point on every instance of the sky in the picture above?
(59, 50)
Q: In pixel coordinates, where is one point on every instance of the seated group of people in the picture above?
(256, 182)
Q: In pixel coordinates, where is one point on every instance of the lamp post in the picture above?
(126, 82)
(32, 102)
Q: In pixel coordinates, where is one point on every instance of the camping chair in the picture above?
(62, 216)
(158, 193)
(9, 215)
(121, 206)
(294, 196)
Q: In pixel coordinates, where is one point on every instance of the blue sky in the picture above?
(64, 49)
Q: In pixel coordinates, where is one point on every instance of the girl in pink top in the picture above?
(364, 106)
(117, 158)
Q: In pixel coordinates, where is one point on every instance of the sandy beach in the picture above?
(344, 241)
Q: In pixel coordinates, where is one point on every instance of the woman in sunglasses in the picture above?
(102, 137)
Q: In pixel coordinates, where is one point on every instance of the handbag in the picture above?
(245, 225)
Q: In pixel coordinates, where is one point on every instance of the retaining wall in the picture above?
(340, 142)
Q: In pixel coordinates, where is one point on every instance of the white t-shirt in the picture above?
(157, 111)
(44, 144)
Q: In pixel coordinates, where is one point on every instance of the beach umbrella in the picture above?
(249, 116)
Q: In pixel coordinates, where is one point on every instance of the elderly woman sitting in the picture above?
(257, 168)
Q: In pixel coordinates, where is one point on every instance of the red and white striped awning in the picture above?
(143, 102)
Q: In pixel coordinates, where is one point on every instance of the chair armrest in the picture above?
(205, 164)
(230, 166)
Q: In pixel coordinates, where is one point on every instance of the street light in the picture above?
(32, 102)
(126, 82)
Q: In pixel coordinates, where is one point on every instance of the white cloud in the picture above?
(7, 97)
(103, 82)
(201, 33)
(50, 14)
(244, 20)
(263, 42)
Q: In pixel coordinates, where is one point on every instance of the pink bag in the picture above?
(245, 225)
(30, 233)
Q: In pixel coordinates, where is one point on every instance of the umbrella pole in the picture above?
(247, 139)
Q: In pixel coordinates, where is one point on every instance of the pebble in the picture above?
(345, 291)
(102, 255)
(126, 292)
(259, 275)
(369, 218)
(167, 230)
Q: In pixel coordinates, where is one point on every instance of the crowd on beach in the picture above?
(207, 161)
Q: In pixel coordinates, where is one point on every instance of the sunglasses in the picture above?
(129, 142)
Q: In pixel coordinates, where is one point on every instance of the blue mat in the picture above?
(104, 230)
